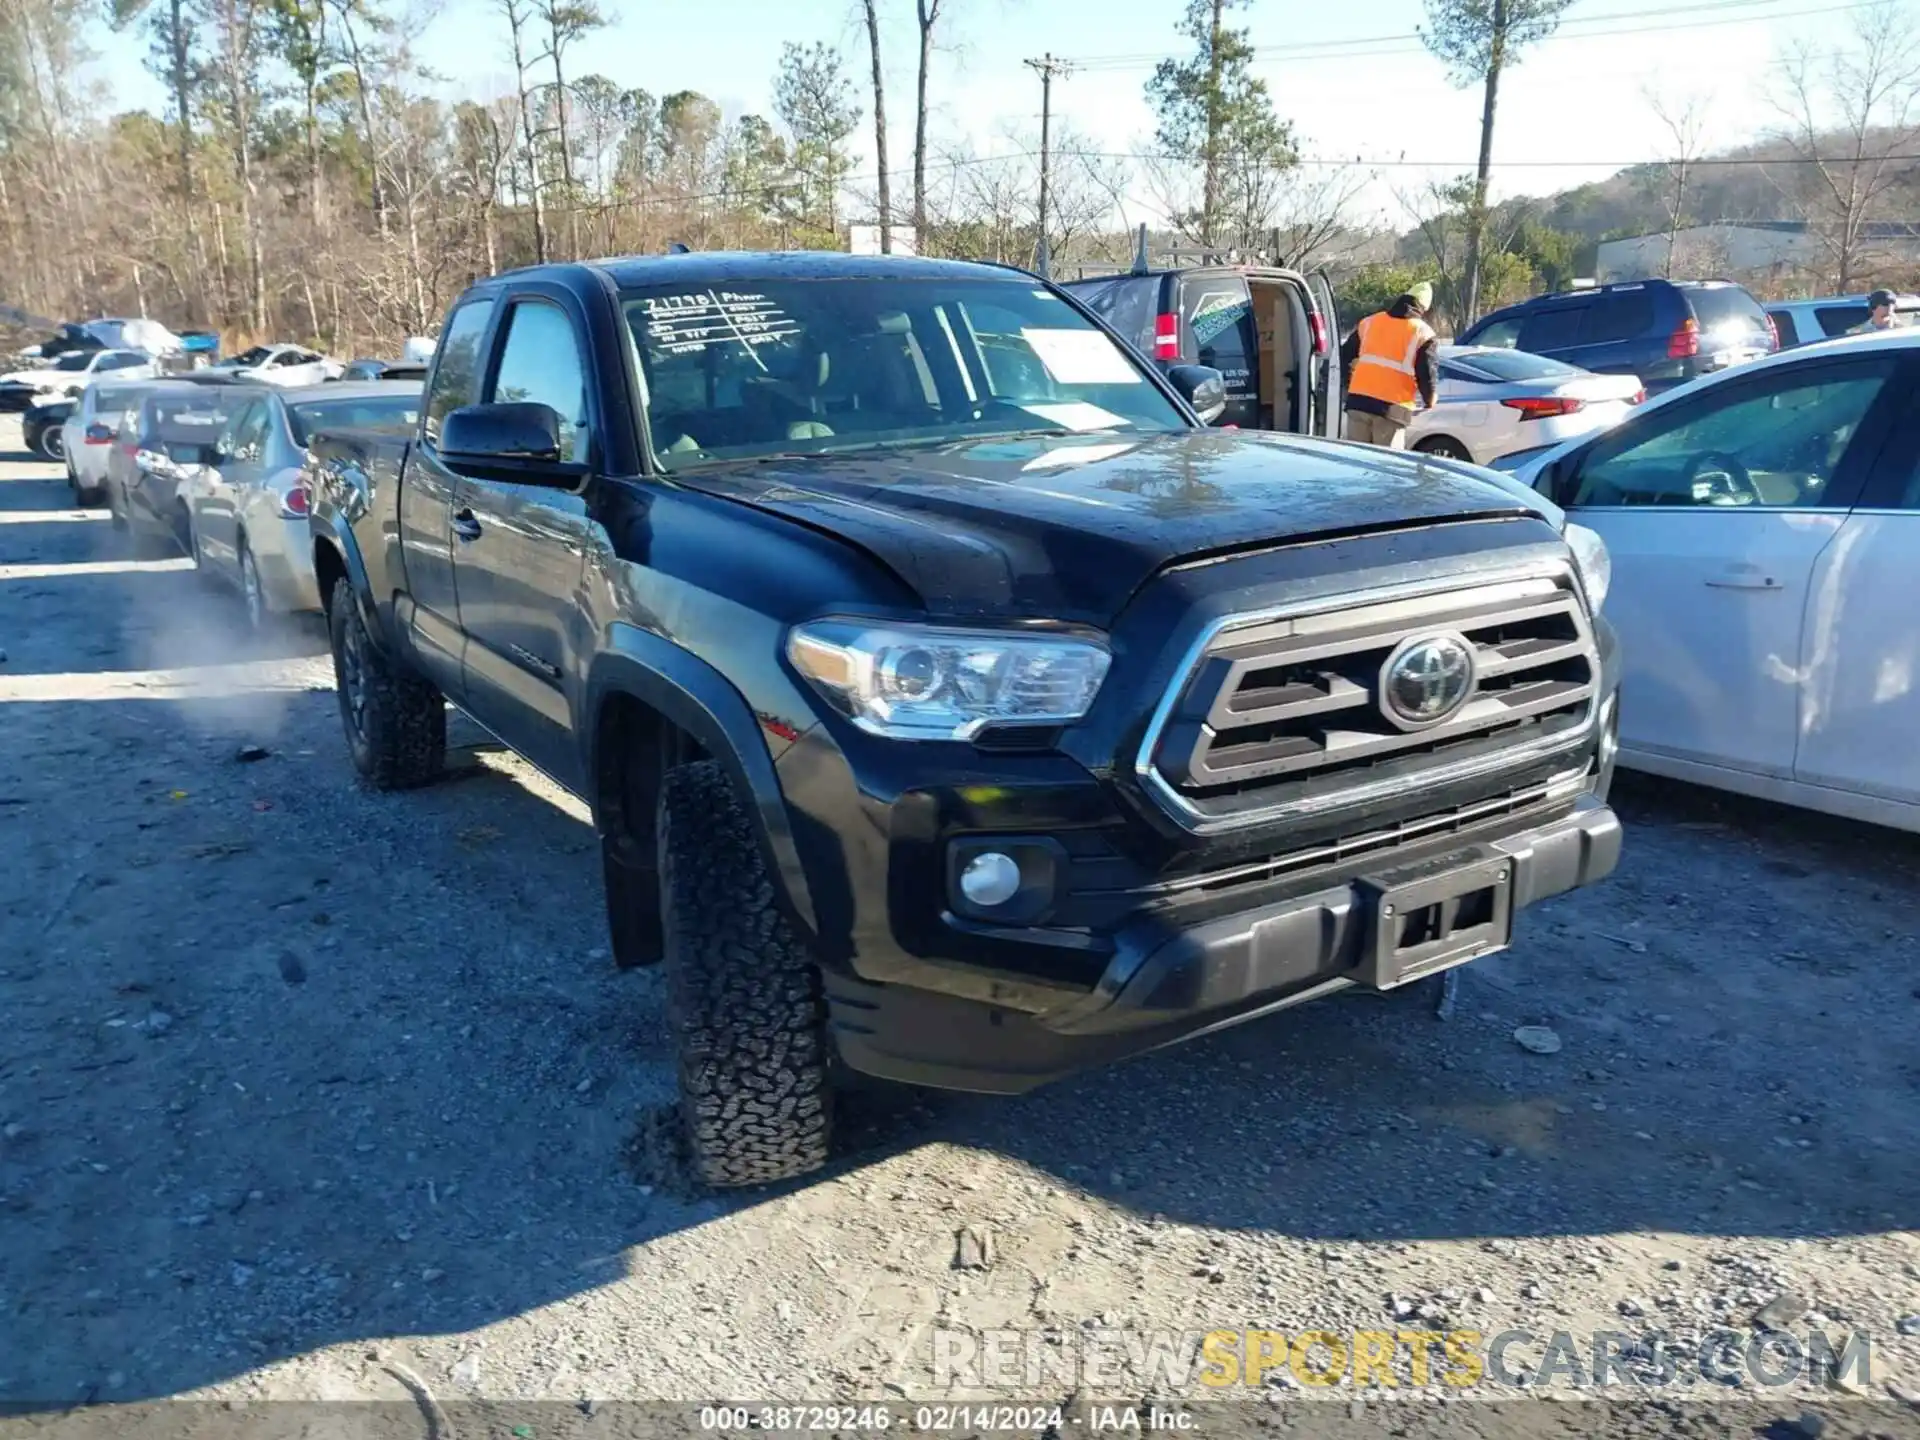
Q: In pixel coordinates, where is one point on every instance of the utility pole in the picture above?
(1046, 67)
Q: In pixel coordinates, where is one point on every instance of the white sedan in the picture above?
(71, 373)
(291, 365)
(1763, 525)
(1494, 401)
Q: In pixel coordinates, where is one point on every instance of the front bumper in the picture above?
(1160, 987)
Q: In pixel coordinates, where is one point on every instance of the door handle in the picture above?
(465, 527)
(1744, 580)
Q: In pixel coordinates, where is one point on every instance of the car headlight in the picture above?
(915, 682)
(1595, 564)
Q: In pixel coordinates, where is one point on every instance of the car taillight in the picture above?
(1540, 407)
(1166, 337)
(1317, 323)
(296, 502)
(1684, 342)
(1639, 396)
(98, 434)
(1773, 334)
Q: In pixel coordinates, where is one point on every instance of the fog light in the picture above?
(1609, 734)
(990, 879)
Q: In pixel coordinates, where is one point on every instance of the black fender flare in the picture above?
(690, 693)
(342, 539)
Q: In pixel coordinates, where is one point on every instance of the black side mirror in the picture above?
(1202, 387)
(519, 431)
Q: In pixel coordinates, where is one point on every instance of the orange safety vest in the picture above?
(1383, 370)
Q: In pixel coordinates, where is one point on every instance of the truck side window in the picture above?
(541, 364)
(456, 374)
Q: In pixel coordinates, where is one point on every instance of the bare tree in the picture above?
(928, 13)
(235, 27)
(1685, 124)
(519, 15)
(1851, 116)
(1312, 211)
(872, 9)
(567, 21)
(1477, 40)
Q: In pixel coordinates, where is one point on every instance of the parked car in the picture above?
(1800, 322)
(1269, 332)
(165, 438)
(247, 507)
(148, 336)
(43, 428)
(66, 340)
(291, 365)
(945, 693)
(1763, 527)
(92, 430)
(69, 374)
(385, 370)
(1666, 332)
(1493, 402)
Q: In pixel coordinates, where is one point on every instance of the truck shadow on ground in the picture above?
(293, 1064)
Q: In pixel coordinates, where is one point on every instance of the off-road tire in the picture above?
(399, 738)
(744, 995)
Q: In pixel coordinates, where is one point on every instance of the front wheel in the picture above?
(396, 723)
(52, 443)
(744, 994)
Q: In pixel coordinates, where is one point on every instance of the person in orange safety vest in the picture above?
(1389, 361)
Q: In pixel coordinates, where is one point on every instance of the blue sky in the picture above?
(1350, 78)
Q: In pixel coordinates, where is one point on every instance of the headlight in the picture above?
(924, 683)
(1595, 565)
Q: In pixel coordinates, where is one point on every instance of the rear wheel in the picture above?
(396, 723)
(52, 444)
(252, 593)
(744, 993)
(1445, 447)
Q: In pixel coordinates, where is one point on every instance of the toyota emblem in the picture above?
(1426, 680)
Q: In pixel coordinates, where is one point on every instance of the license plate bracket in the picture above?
(1425, 923)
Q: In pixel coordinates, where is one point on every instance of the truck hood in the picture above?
(1069, 527)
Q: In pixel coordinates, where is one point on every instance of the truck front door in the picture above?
(520, 550)
(432, 618)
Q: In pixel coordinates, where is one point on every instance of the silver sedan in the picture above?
(247, 508)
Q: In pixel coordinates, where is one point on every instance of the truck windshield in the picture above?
(819, 366)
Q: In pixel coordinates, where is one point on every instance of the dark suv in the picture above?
(1665, 331)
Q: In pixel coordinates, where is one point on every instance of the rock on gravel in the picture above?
(1537, 1038)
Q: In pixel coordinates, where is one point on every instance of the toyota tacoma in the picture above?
(953, 703)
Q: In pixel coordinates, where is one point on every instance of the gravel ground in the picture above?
(311, 1093)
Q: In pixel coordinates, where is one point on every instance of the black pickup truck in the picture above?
(952, 704)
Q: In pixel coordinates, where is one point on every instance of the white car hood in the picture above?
(44, 379)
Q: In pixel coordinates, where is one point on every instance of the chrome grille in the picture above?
(1290, 711)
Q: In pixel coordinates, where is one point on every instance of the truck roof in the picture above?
(709, 267)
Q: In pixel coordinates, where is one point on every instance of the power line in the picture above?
(954, 164)
(1408, 42)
